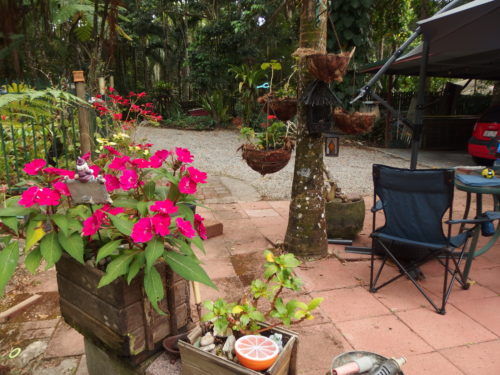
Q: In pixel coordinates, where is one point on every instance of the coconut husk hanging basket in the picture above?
(329, 67)
(267, 161)
(354, 123)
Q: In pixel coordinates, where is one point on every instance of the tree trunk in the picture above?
(495, 98)
(306, 232)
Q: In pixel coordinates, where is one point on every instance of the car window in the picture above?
(491, 115)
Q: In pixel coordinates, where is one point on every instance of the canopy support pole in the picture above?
(419, 113)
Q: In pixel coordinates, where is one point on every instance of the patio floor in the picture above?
(396, 321)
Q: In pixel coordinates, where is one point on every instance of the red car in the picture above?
(485, 137)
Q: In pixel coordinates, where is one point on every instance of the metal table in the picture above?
(479, 191)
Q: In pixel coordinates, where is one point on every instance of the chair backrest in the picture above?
(414, 201)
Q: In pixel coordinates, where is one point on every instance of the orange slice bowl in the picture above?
(256, 352)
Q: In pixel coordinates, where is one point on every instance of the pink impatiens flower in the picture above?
(185, 227)
(129, 179)
(158, 158)
(42, 196)
(112, 182)
(143, 230)
(59, 172)
(197, 175)
(161, 224)
(164, 207)
(120, 164)
(200, 227)
(112, 151)
(187, 186)
(28, 197)
(140, 163)
(95, 170)
(61, 188)
(184, 155)
(93, 223)
(32, 168)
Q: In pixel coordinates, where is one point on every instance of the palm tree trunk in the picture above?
(306, 232)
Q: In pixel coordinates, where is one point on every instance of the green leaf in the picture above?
(51, 249)
(107, 250)
(73, 245)
(183, 246)
(135, 267)
(62, 222)
(314, 303)
(290, 261)
(185, 212)
(11, 222)
(187, 268)
(123, 225)
(74, 225)
(153, 251)
(154, 288)
(33, 260)
(142, 207)
(149, 189)
(125, 203)
(8, 263)
(16, 211)
(198, 242)
(34, 233)
(257, 315)
(116, 268)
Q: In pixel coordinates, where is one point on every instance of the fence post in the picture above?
(83, 113)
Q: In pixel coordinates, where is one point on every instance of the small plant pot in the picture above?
(283, 108)
(329, 67)
(344, 219)
(354, 123)
(266, 161)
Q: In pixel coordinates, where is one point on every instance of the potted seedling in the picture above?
(244, 337)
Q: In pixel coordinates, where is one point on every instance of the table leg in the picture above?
(466, 212)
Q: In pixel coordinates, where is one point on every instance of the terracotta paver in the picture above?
(385, 335)
(430, 364)
(485, 311)
(489, 278)
(65, 342)
(350, 304)
(444, 331)
(266, 212)
(325, 274)
(476, 359)
(401, 295)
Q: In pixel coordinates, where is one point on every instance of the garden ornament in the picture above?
(263, 86)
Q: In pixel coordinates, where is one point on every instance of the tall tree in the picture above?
(306, 232)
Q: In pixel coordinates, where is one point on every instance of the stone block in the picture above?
(214, 228)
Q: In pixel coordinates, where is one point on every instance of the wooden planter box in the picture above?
(117, 317)
(197, 362)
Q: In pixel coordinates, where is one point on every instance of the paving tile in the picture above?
(274, 233)
(441, 331)
(215, 248)
(281, 207)
(476, 359)
(361, 271)
(82, 367)
(219, 267)
(257, 205)
(385, 335)
(489, 278)
(266, 212)
(484, 311)
(318, 345)
(401, 295)
(229, 288)
(242, 247)
(350, 304)
(65, 342)
(266, 221)
(44, 282)
(430, 364)
(325, 274)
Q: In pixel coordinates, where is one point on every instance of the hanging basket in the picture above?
(267, 161)
(354, 123)
(329, 67)
(283, 108)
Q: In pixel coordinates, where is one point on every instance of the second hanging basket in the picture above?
(354, 123)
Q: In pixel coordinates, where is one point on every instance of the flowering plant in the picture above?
(276, 134)
(150, 218)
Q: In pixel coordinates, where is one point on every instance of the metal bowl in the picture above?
(347, 357)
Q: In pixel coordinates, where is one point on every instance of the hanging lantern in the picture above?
(318, 100)
(331, 144)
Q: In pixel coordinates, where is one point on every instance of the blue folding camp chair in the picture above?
(414, 203)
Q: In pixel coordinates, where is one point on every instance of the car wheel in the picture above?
(482, 161)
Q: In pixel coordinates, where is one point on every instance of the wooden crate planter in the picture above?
(118, 316)
(197, 362)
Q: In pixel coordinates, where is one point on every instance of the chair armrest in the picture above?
(468, 221)
(378, 206)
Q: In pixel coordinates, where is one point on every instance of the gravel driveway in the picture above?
(215, 153)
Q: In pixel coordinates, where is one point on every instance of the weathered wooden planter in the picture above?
(197, 362)
(266, 161)
(344, 219)
(118, 316)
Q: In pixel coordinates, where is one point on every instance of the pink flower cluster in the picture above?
(45, 196)
(159, 224)
(99, 218)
